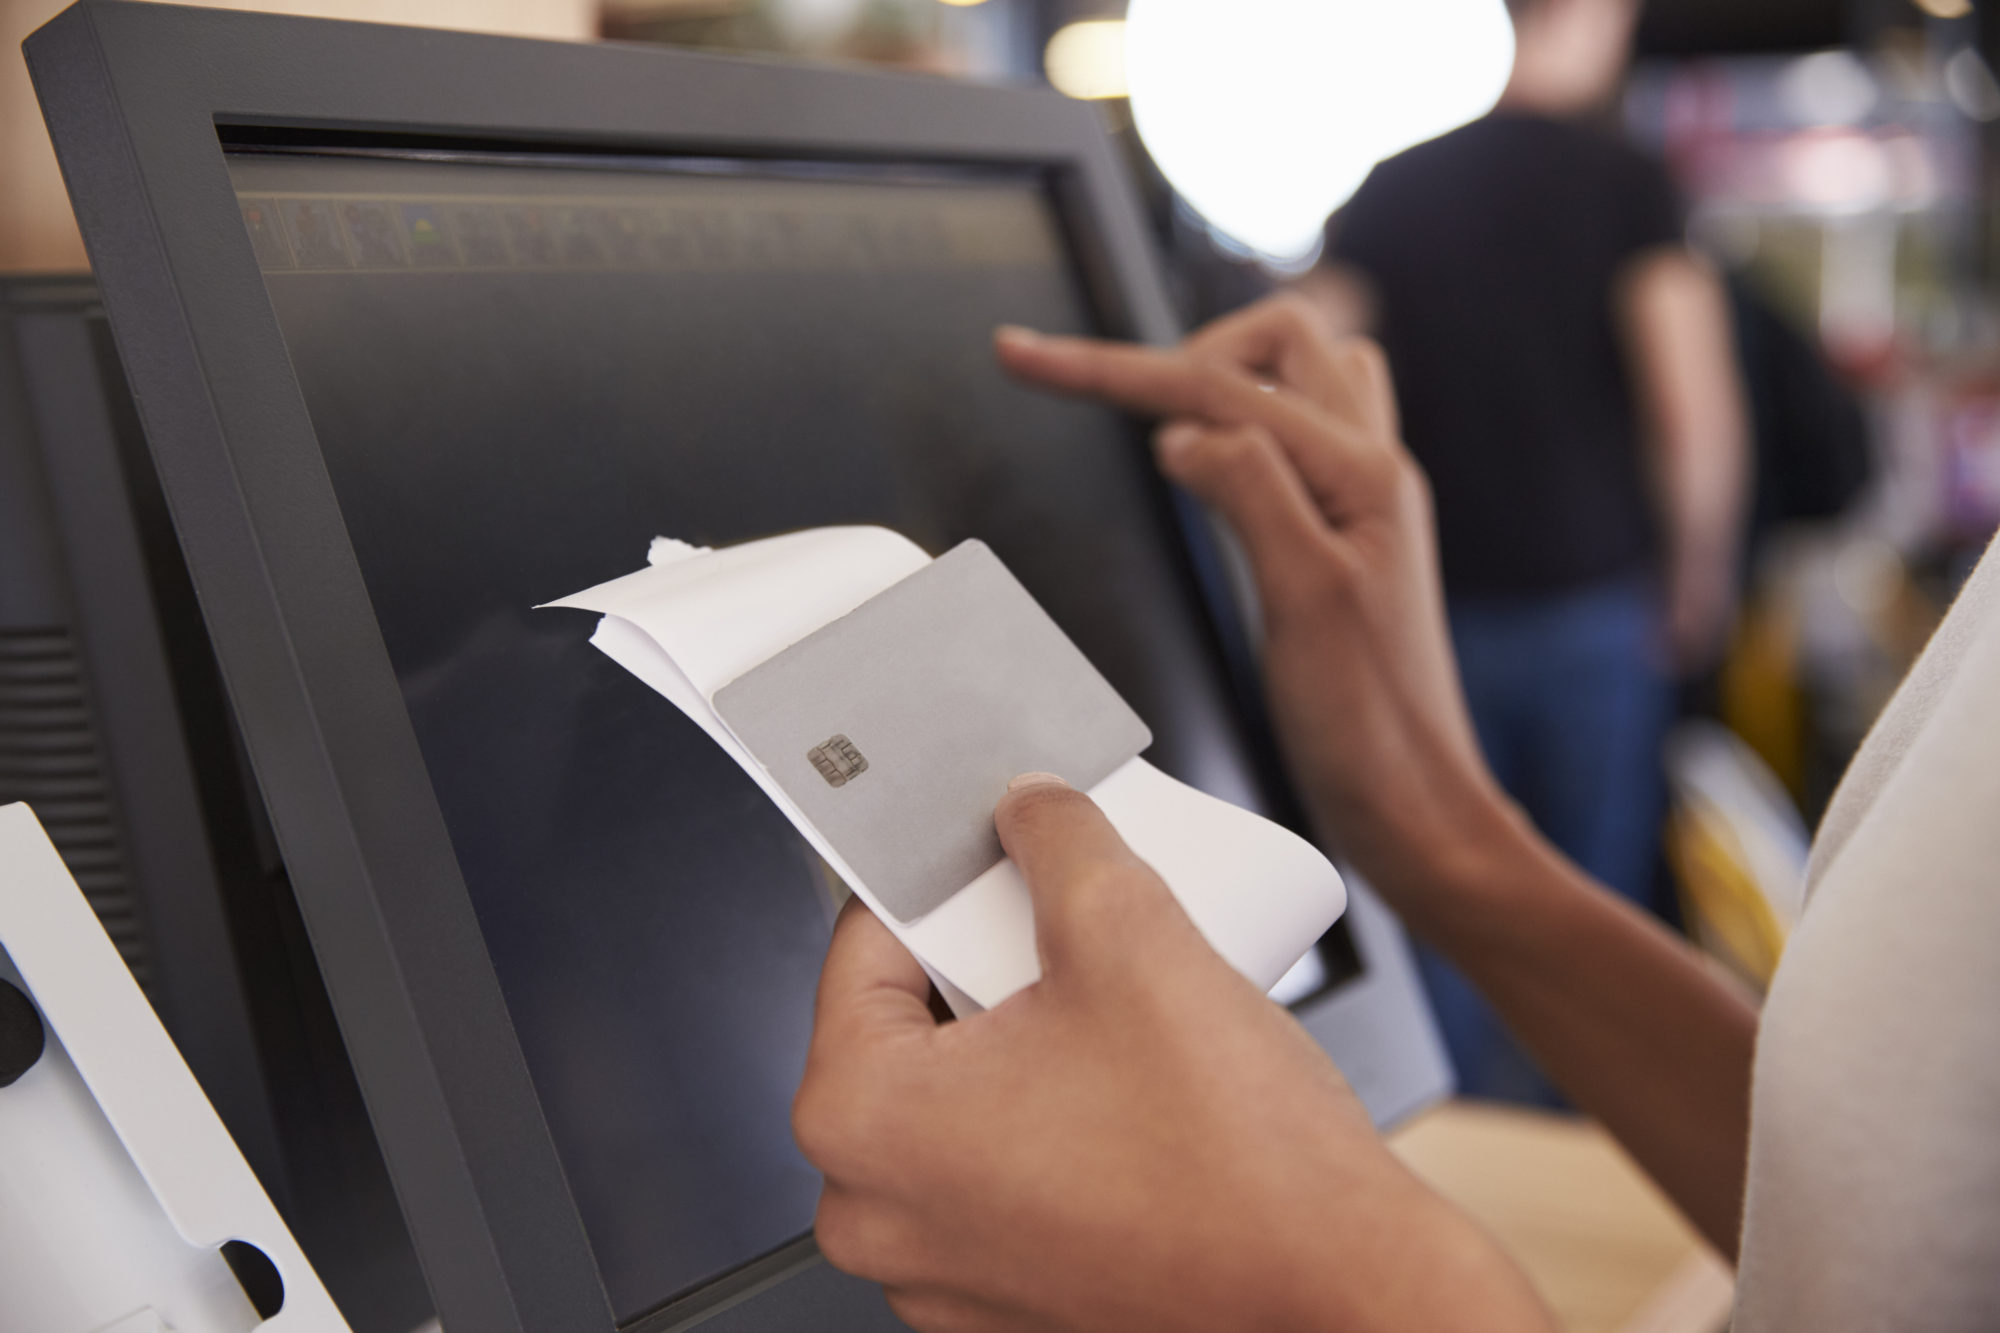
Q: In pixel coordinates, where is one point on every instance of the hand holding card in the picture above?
(944, 687)
(883, 701)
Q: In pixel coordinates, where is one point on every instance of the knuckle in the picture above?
(1359, 348)
(1213, 459)
(836, 1122)
(870, 1238)
(1296, 318)
(1329, 586)
(1290, 304)
(842, 1236)
(1410, 476)
(1214, 389)
(1102, 882)
(1238, 447)
(1399, 476)
(817, 1125)
(1111, 897)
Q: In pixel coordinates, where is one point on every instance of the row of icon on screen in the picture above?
(321, 233)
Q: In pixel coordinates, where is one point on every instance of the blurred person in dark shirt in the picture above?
(1565, 374)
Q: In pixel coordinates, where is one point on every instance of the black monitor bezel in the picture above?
(140, 99)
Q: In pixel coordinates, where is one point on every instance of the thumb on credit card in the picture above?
(1098, 907)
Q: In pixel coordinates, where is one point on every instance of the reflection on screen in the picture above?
(519, 375)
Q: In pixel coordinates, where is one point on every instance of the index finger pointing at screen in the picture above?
(1153, 381)
(1148, 380)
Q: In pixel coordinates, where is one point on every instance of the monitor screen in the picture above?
(522, 369)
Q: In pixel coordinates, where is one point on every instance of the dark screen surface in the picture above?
(519, 373)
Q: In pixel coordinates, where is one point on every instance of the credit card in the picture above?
(897, 727)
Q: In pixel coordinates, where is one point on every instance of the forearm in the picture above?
(1701, 478)
(1625, 1017)
(1679, 345)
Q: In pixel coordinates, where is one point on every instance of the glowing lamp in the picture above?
(1267, 114)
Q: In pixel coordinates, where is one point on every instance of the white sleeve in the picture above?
(1873, 1195)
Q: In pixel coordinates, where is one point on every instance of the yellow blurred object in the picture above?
(961, 4)
(1737, 846)
(1945, 9)
(1727, 911)
(1761, 700)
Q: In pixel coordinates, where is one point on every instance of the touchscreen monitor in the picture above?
(520, 369)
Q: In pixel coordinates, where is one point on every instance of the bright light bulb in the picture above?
(1267, 114)
(1087, 59)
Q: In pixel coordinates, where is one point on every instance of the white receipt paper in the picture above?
(696, 619)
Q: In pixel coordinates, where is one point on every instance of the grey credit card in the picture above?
(897, 727)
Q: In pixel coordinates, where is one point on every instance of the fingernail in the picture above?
(1017, 336)
(1036, 780)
